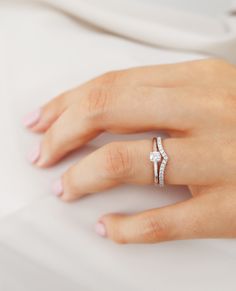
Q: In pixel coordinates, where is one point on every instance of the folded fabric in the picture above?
(233, 7)
(158, 25)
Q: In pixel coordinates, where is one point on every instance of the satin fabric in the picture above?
(159, 25)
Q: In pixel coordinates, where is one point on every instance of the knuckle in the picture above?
(118, 162)
(154, 229)
(97, 103)
(69, 184)
(98, 100)
(118, 236)
(115, 228)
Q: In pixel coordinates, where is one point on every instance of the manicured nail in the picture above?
(101, 229)
(32, 118)
(34, 154)
(57, 188)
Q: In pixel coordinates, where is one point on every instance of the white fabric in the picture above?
(233, 7)
(214, 7)
(49, 245)
(158, 25)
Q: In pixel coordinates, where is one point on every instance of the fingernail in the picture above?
(34, 155)
(57, 187)
(100, 229)
(32, 118)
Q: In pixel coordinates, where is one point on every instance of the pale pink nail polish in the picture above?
(101, 229)
(34, 155)
(57, 187)
(32, 118)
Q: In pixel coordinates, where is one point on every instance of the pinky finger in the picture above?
(200, 217)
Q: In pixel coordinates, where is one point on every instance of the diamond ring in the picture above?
(158, 155)
(155, 157)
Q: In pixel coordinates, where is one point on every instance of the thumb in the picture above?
(189, 219)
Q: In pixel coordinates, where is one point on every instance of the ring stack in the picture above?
(158, 156)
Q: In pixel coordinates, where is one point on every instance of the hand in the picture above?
(194, 102)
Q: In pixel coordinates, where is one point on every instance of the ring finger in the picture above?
(128, 162)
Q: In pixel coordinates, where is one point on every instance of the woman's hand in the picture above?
(194, 102)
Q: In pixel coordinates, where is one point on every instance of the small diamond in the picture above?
(155, 156)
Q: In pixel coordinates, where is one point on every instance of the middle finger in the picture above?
(120, 110)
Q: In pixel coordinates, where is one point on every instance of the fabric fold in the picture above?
(158, 25)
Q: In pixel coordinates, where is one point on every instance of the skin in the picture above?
(194, 103)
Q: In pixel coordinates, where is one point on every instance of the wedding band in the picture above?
(163, 162)
(158, 155)
(155, 157)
